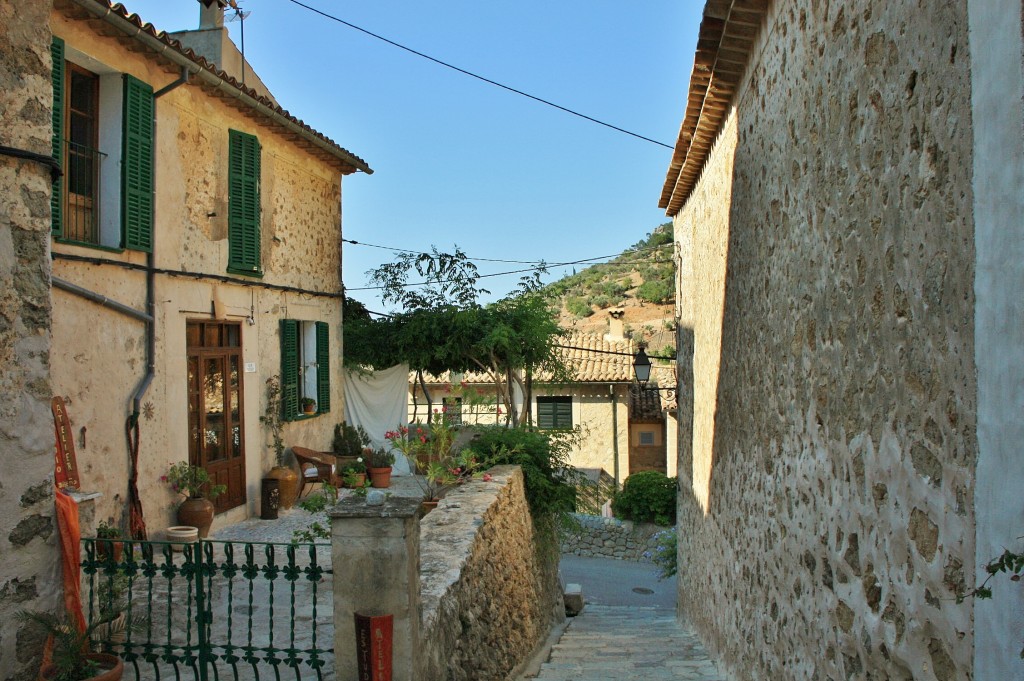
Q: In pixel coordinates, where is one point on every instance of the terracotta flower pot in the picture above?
(288, 485)
(197, 512)
(109, 547)
(359, 479)
(111, 668)
(428, 506)
(380, 477)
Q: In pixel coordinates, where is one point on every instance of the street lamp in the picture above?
(642, 368)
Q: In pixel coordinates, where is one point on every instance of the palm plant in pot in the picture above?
(288, 479)
(73, 658)
(194, 483)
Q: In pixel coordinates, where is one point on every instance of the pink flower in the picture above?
(163, 478)
(499, 410)
(423, 439)
(488, 477)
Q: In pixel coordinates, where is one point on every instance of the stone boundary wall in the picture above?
(488, 588)
(610, 538)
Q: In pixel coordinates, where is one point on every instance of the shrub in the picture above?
(656, 292)
(578, 307)
(648, 496)
(664, 554)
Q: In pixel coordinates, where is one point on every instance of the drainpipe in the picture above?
(101, 299)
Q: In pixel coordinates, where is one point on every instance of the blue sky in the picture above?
(458, 161)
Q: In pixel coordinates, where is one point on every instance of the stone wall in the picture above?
(489, 584)
(828, 263)
(27, 527)
(610, 538)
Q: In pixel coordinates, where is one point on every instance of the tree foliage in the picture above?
(444, 328)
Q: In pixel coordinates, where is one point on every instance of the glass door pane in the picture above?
(214, 445)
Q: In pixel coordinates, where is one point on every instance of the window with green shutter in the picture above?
(137, 166)
(244, 204)
(57, 76)
(554, 413)
(305, 368)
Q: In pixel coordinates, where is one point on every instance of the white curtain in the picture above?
(379, 402)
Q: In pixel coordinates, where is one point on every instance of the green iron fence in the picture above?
(215, 609)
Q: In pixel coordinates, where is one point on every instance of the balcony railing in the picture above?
(82, 193)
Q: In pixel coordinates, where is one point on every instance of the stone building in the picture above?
(27, 568)
(846, 193)
(622, 431)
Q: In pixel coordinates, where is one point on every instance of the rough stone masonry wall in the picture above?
(489, 583)
(610, 538)
(826, 513)
(27, 545)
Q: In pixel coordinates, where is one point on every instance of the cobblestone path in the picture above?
(606, 643)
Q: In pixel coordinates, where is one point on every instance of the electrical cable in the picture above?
(514, 262)
(479, 77)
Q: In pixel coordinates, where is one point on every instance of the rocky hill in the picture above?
(637, 287)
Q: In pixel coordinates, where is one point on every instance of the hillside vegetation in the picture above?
(640, 282)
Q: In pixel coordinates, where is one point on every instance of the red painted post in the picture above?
(374, 635)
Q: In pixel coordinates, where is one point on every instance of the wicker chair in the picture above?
(314, 467)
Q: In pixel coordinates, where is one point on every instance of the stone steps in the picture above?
(614, 642)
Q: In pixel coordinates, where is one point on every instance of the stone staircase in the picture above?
(606, 643)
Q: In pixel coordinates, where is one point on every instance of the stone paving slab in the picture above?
(620, 642)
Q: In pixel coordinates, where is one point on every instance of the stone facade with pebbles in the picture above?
(489, 583)
(839, 291)
(28, 577)
(595, 536)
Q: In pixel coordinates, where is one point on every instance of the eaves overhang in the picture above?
(113, 20)
(727, 35)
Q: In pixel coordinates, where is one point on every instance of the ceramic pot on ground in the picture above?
(287, 485)
(380, 477)
(111, 668)
(428, 506)
(197, 512)
(181, 533)
(109, 547)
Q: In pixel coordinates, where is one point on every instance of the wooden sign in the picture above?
(65, 469)
(374, 635)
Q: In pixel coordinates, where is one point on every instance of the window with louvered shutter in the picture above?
(244, 204)
(554, 413)
(137, 166)
(57, 76)
(289, 369)
(323, 368)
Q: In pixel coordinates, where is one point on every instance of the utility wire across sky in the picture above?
(477, 76)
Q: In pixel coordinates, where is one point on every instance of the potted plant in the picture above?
(287, 479)
(308, 405)
(73, 658)
(106, 532)
(381, 462)
(112, 605)
(194, 483)
(353, 473)
(348, 443)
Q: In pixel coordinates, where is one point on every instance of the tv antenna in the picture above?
(239, 15)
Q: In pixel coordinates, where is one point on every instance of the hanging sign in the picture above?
(65, 470)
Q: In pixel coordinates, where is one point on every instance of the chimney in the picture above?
(615, 325)
(211, 14)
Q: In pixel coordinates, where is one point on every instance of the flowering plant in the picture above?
(191, 480)
(354, 467)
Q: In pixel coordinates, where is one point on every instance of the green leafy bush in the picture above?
(665, 553)
(578, 307)
(648, 496)
(655, 291)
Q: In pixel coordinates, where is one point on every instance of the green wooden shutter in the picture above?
(545, 414)
(137, 166)
(323, 368)
(243, 203)
(289, 369)
(563, 412)
(57, 76)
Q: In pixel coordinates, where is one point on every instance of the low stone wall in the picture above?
(489, 590)
(610, 538)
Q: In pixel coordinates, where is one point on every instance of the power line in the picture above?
(479, 77)
(514, 262)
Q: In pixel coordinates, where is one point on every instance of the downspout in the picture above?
(101, 300)
(615, 433)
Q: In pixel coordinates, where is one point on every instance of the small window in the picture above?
(452, 408)
(305, 368)
(554, 413)
(646, 438)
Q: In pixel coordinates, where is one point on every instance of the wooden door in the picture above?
(216, 436)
